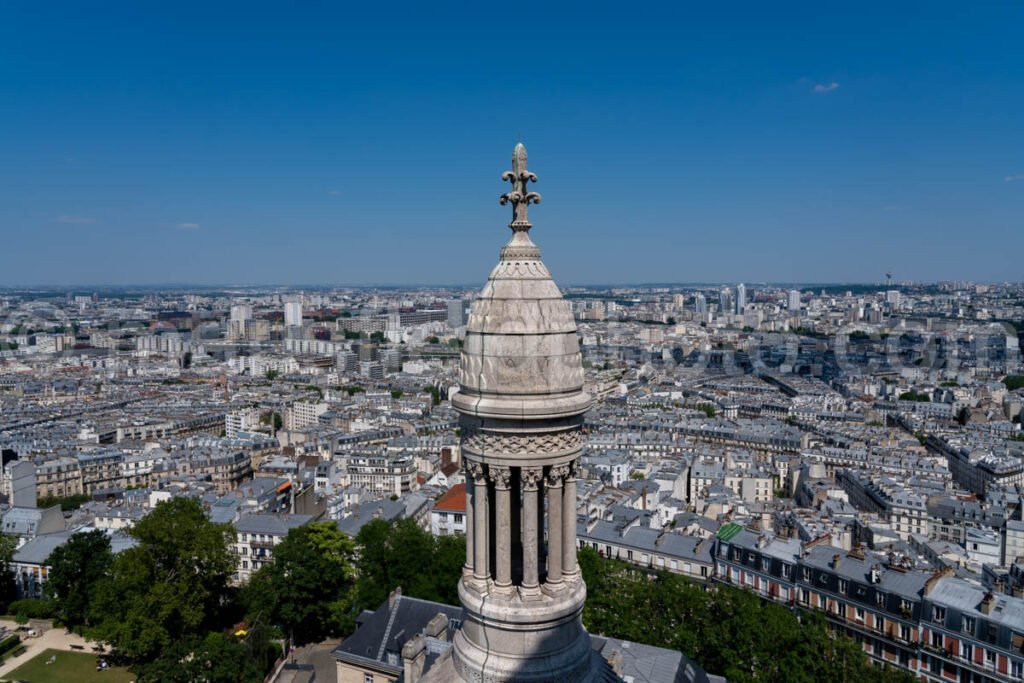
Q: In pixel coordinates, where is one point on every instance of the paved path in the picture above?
(55, 639)
(319, 657)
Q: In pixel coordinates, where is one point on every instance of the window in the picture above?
(938, 614)
(905, 633)
(807, 574)
(859, 614)
(879, 623)
(786, 570)
(880, 598)
(966, 651)
(843, 585)
(936, 640)
(367, 678)
(990, 658)
(1017, 669)
(969, 625)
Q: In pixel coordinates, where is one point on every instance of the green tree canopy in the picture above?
(75, 570)
(403, 554)
(726, 630)
(215, 658)
(307, 589)
(169, 588)
(8, 546)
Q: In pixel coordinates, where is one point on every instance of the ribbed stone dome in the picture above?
(521, 356)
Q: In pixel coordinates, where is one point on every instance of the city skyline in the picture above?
(319, 144)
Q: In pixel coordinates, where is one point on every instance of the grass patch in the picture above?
(70, 667)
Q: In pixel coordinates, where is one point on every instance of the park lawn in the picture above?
(70, 667)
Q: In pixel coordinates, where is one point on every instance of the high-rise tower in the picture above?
(521, 402)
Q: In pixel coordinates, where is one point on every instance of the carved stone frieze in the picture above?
(490, 443)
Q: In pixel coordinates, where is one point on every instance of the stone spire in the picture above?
(520, 198)
(521, 405)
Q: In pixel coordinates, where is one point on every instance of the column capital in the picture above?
(501, 476)
(556, 475)
(477, 471)
(531, 477)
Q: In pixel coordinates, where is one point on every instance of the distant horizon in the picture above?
(170, 286)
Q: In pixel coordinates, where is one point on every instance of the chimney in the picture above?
(836, 559)
(615, 661)
(437, 628)
(934, 578)
(987, 602)
(414, 654)
(393, 597)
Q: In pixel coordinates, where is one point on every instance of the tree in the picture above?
(307, 589)
(75, 569)
(8, 546)
(403, 554)
(216, 658)
(169, 588)
(915, 396)
(1013, 382)
(186, 362)
(377, 336)
(707, 409)
(435, 394)
(726, 630)
(272, 375)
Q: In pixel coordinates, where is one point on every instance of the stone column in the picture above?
(470, 531)
(531, 544)
(569, 522)
(554, 486)
(502, 476)
(481, 571)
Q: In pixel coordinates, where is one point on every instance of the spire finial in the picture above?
(519, 197)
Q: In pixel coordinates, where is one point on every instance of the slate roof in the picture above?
(647, 664)
(381, 635)
(275, 525)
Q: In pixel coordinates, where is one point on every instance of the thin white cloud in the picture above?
(1014, 178)
(188, 226)
(822, 88)
(76, 220)
(334, 193)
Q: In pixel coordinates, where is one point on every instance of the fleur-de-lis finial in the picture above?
(519, 197)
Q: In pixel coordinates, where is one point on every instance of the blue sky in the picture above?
(323, 142)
